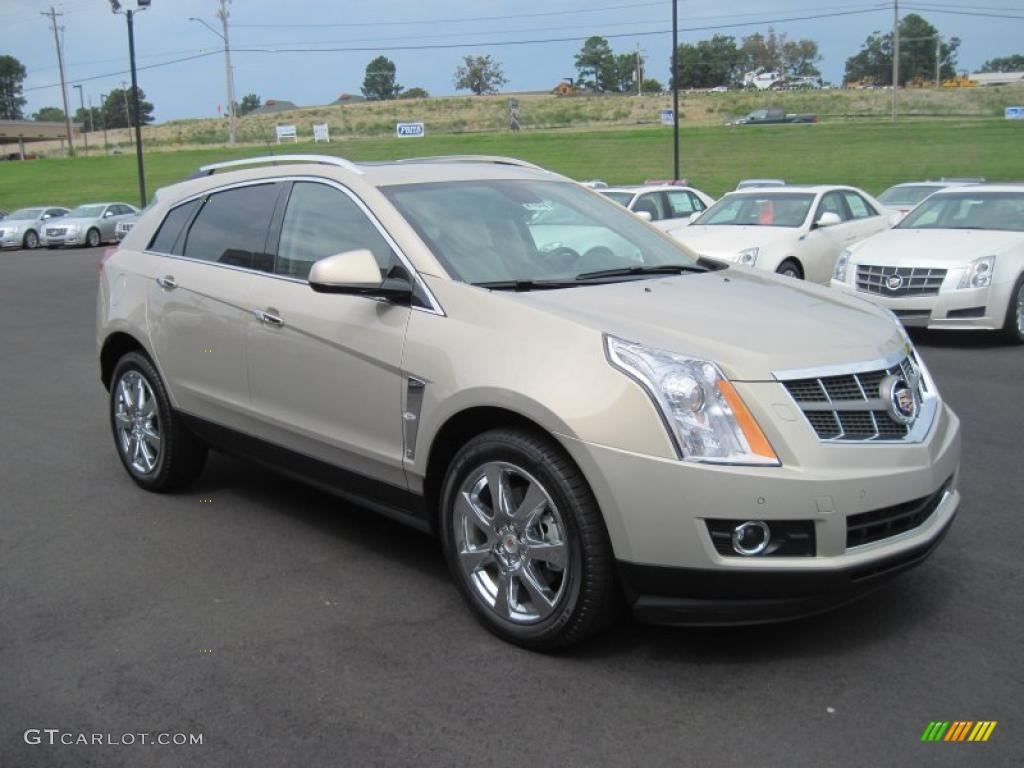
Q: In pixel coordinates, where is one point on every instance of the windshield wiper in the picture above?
(526, 285)
(661, 269)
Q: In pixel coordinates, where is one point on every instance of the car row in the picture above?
(54, 226)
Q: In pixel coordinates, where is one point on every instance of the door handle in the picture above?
(167, 282)
(269, 317)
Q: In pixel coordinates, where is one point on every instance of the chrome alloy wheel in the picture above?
(1020, 311)
(137, 423)
(510, 541)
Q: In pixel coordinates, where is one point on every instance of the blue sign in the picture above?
(410, 130)
(667, 117)
(1014, 113)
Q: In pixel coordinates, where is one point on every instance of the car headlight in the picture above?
(842, 263)
(73, 229)
(979, 273)
(705, 416)
(748, 256)
(12, 229)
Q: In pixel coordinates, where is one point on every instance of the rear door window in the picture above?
(169, 237)
(859, 207)
(832, 202)
(682, 204)
(652, 203)
(231, 227)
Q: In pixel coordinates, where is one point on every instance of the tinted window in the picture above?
(170, 229)
(859, 207)
(832, 202)
(969, 210)
(322, 221)
(56, 212)
(622, 198)
(759, 209)
(231, 227)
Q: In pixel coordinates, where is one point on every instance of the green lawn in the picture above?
(869, 155)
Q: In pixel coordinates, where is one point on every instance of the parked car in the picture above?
(3, 214)
(664, 205)
(642, 426)
(956, 261)
(21, 228)
(124, 227)
(751, 183)
(794, 231)
(772, 116)
(902, 198)
(87, 225)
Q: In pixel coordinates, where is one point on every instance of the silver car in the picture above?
(87, 225)
(22, 228)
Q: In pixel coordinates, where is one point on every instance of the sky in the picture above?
(96, 45)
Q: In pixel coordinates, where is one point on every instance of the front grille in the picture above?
(850, 407)
(912, 281)
(56, 232)
(969, 312)
(125, 226)
(882, 523)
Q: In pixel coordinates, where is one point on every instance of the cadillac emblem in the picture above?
(900, 397)
(894, 282)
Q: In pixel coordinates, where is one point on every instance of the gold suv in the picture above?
(587, 415)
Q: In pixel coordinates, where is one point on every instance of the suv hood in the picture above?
(725, 241)
(946, 248)
(750, 323)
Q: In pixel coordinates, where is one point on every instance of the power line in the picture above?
(983, 14)
(125, 72)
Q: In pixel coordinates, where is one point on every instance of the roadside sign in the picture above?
(321, 132)
(287, 132)
(667, 117)
(1014, 113)
(410, 130)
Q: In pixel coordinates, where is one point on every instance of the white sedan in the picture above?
(956, 261)
(794, 231)
(664, 205)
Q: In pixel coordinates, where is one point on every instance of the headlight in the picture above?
(748, 256)
(73, 229)
(12, 229)
(705, 417)
(841, 264)
(979, 273)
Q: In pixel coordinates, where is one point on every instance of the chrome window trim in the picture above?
(435, 306)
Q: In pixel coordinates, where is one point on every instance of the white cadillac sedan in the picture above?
(794, 231)
(956, 261)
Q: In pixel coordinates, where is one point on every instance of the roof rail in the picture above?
(340, 162)
(494, 159)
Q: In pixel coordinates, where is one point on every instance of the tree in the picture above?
(49, 115)
(115, 113)
(479, 74)
(596, 65)
(759, 51)
(709, 63)
(88, 123)
(379, 83)
(652, 86)
(1014, 63)
(917, 54)
(12, 75)
(414, 93)
(800, 57)
(249, 102)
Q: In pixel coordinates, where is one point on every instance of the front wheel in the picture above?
(31, 241)
(1013, 329)
(525, 541)
(92, 238)
(790, 268)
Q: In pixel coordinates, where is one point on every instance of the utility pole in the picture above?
(895, 54)
(85, 133)
(229, 74)
(938, 61)
(639, 72)
(63, 85)
(675, 91)
(103, 114)
(127, 111)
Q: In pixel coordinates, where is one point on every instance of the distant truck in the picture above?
(772, 115)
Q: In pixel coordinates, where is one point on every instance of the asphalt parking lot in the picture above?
(289, 628)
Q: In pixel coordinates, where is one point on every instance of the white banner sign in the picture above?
(667, 117)
(1014, 113)
(321, 132)
(410, 130)
(287, 132)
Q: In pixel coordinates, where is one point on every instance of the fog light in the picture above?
(751, 537)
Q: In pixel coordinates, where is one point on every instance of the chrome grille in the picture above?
(850, 407)
(912, 281)
(56, 231)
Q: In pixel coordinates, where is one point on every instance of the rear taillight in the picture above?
(103, 259)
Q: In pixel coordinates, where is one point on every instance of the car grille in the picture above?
(849, 407)
(125, 226)
(56, 232)
(913, 281)
(889, 521)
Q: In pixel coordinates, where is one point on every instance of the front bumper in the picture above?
(51, 241)
(11, 240)
(951, 309)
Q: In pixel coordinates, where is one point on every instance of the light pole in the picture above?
(229, 72)
(127, 111)
(675, 91)
(115, 6)
(85, 134)
(103, 114)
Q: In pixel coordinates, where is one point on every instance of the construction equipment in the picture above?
(960, 81)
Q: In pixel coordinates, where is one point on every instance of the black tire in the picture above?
(1013, 331)
(92, 238)
(52, 247)
(31, 240)
(181, 455)
(790, 268)
(590, 598)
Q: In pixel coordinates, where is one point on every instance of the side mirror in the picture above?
(695, 215)
(645, 215)
(357, 273)
(828, 219)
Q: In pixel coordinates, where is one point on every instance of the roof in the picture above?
(1009, 186)
(792, 189)
(270, 106)
(635, 188)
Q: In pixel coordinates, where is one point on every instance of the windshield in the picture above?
(969, 210)
(523, 230)
(26, 213)
(87, 212)
(906, 195)
(622, 198)
(763, 209)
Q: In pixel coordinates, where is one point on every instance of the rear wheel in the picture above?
(1013, 329)
(30, 241)
(92, 239)
(789, 268)
(153, 443)
(525, 541)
